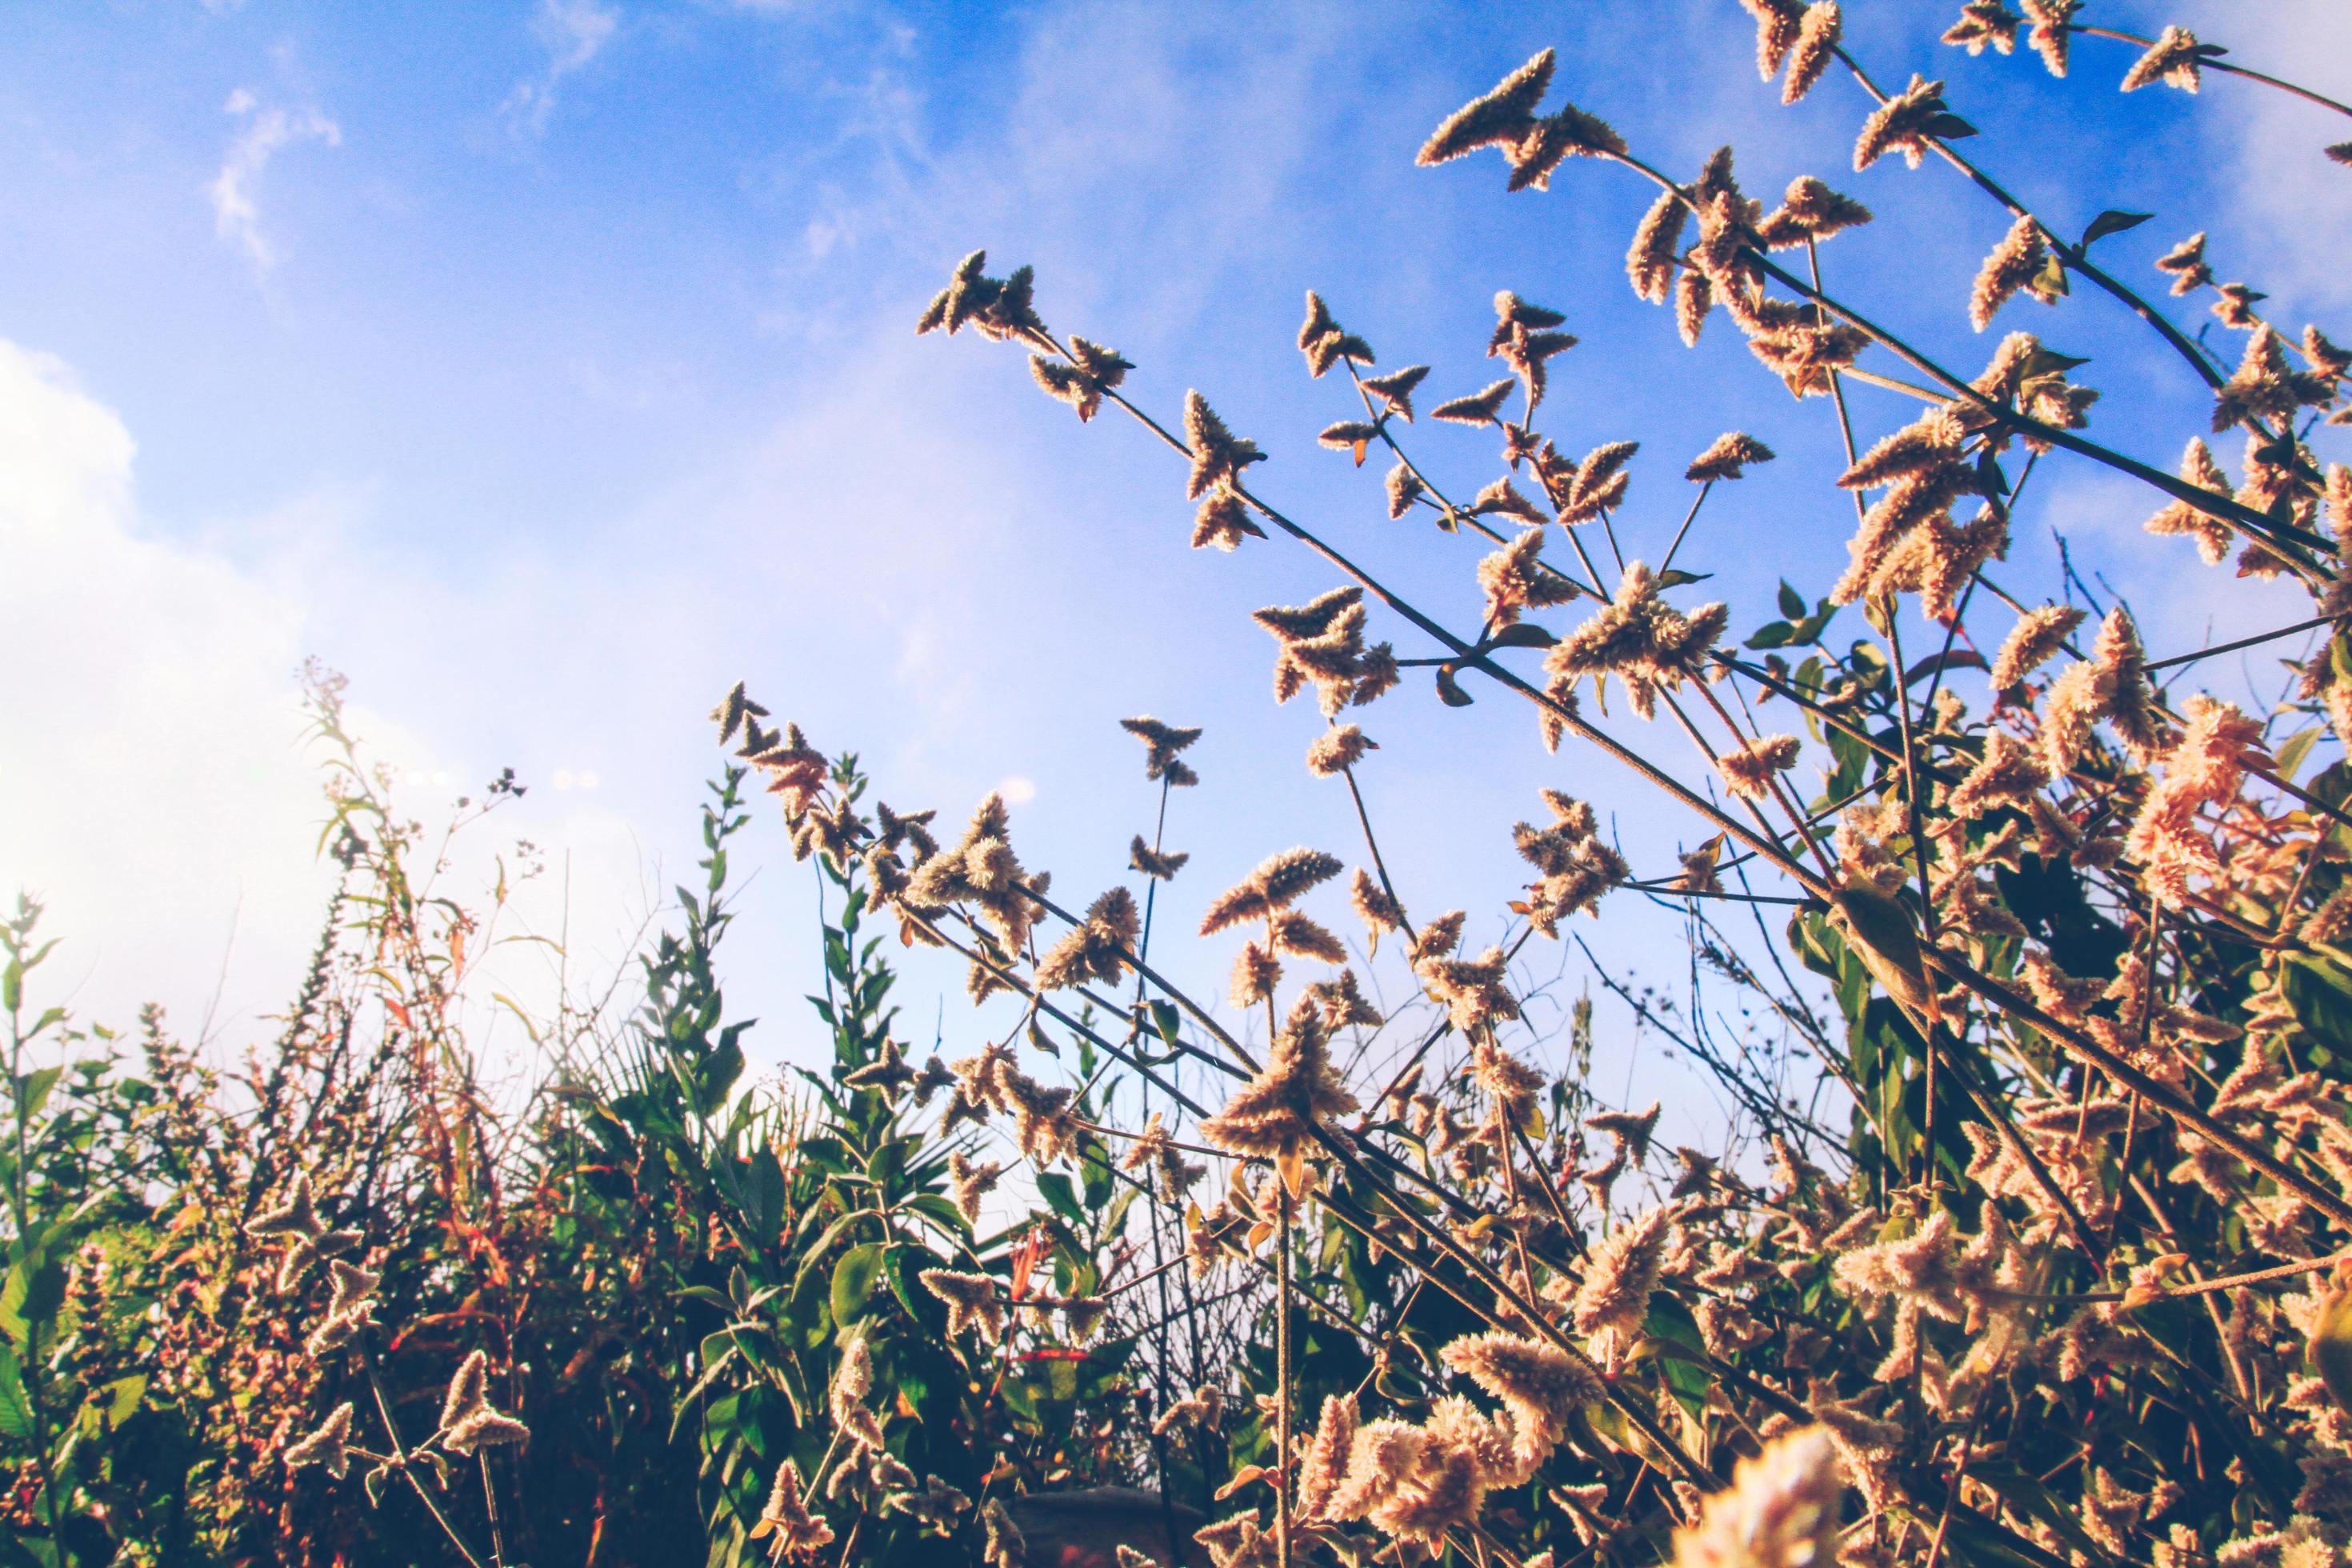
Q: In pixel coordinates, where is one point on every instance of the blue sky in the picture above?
(548, 366)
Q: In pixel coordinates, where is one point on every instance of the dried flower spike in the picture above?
(1726, 457)
(1779, 1511)
(1816, 47)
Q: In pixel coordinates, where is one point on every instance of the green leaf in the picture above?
(764, 1195)
(33, 1090)
(1792, 604)
(2113, 221)
(116, 1402)
(1448, 691)
(2047, 361)
(1062, 1198)
(1518, 633)
(1950, 127)
(852, 1281)
(2050, 279)
(16, 1409)
(2321, 995)
(1676, 577)
(2291, 755)
(1165, 1019)
(1772, 633)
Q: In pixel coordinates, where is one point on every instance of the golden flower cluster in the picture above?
(1506, 117)
(1575, 864)
(1321, 643)
(1640, 639)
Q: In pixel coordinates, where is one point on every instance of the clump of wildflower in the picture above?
(852, 1379)
(1256, 973)
(1525, 338)
(1097, 948)
(1321, 643)
(968, 1180)
(1204, 1408)
(1298, 1091)
(1154, 1148)
(1338, 749)
(973, 1301)
(1776, 22)
(1614, 1296)
(1984, 22)
(1727, 456)
(1473, 990)
(1324, 342)
(2173, 59)
(1395, 389)
(1481, 407)
(1218, 455)
(1279, 881)
(1810, 210)
(1779, 1511)
(2112, 684)
(1747, 769)
(1081, 380)
(1540, 1384)
(1342, 1002)
(1162, 743)
(935, 1507)
(1325, 1464)
(2039, 634)
(1373, 906)
(2184, 263)
(2015, 263)
(732, 710)
(350, 1307)
(1515, 579)
(1505, 118)
(2009, 774)
(980, 868)
(1650, 260)
(1160, 865)
(1641, 640)
(327, 1447)
(1818, 33)
(1236, 1543)
(1600, 482)
(999, 308)
(2050, 33)
(469, 1423)
(1630, 1130)
(1577, 866)
(1905, 124)
(2204, 769)
(796, 1531)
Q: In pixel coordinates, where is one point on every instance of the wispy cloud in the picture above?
(573, 32)
(236, 214)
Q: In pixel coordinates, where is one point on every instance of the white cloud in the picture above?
(156, 790)
(573, 32)
(236, 215)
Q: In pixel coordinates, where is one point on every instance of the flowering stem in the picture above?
(1373, 846)
(2259, 637)
(2209, 63)
(402, 1462)
(2076, 257)
(1282, 1373)
(1704, 491)
(2212, 504)
(491, 1505)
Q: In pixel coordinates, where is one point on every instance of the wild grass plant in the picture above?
(1352, 1263)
